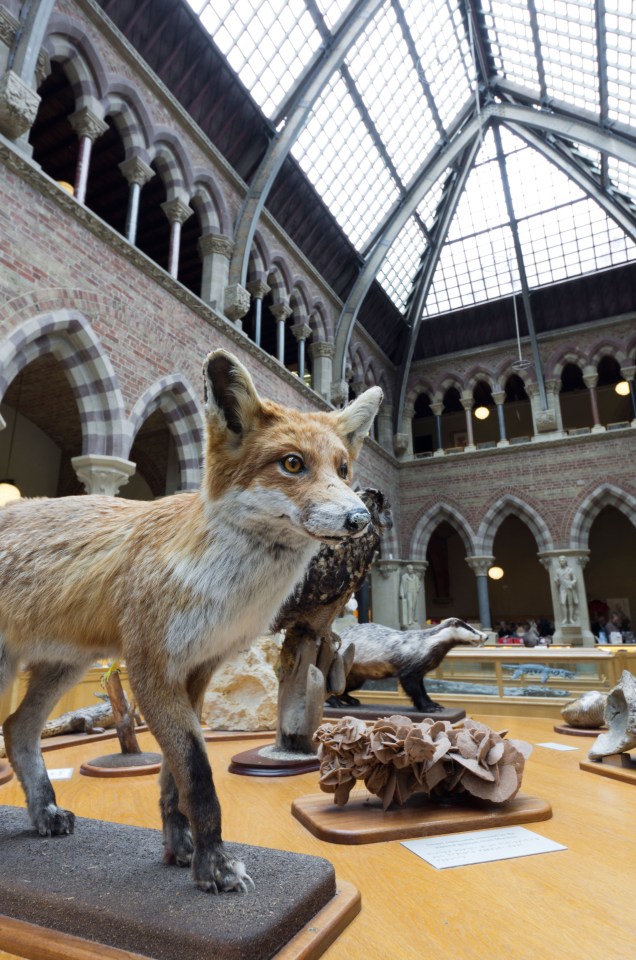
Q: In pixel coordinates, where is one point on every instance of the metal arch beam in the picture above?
(254, 201)
(23, 57)
(612, 206)
(440, 232)
(442, 157)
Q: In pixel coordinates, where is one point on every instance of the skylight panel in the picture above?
(620, 24)
(623, 176)
(536, 183)
(438, 32)
(571, 241)
(472, 270)
(332, 10)
(482, 205)
(398, 270)
(509, 31)
(338, 155)
(389, 86)
(267, 42)
(567, 34)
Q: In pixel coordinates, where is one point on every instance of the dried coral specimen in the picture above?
(397, 758)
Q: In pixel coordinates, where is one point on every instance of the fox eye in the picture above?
(292, 463)
(343, 470)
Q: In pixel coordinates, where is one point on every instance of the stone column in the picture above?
(385, 427)
(216, 251)
(339, 392)
(385, 590)
(236, 303)
(301, 331)
(281, 312)
(629, 373)
(403, 441)
(88, 126)
(321, 354)
(137, 173)
(590, 380)
(437, 407)
(577, 632)
(177, 212)
(259, 289)
(103, 474)
(467, 403)
(499, 396)
(480, 567)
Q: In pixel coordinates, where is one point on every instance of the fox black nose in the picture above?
(357, 520)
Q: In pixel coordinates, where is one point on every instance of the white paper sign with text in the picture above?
(480, 846)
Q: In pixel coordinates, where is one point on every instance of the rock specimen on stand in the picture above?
(243, 693)
(620, 717)
(587, 711)
(397, 758)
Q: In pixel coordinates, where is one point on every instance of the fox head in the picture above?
(280, 473)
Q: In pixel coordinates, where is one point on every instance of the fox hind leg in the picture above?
(22, 731)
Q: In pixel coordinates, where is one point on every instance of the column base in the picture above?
(598, 428)
(503, 443)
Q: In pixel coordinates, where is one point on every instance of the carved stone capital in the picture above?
(210, 243)
(281, 311)
(387, 567)
(322, 348)
(628, 372)
(467, 402)
(103, 474)
(176, 210)
(18, 105)
(545, 421)
(258, 289)
(499, 396)
(339, 392)
(85, 123)
(136, 171)
(532, 390)
(590, 380)
(301, 330)
(480, 565)
(236, 302)
(400, 443)
(436, 407)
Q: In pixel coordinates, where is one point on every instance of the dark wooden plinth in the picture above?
(362, 819)
(5, 772)
(106, 885)
(579, 731)
(617, 766)
(122, 765)
(253, 763)
(373, 711)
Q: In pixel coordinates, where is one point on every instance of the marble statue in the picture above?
(409, 592)
(565, 580)
(620, 717)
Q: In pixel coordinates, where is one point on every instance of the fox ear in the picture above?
(230, 396)
(355, 421)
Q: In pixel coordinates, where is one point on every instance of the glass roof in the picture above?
(415, 73)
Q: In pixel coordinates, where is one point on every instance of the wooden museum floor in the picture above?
(566, 905)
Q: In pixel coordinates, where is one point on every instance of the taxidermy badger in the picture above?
(382, 652)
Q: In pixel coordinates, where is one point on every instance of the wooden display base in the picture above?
(373, 711)
(362, 819)
(6, 772)
(59, 903)
(617, 766)
(579, 731)
(253, 763)
(122, 765)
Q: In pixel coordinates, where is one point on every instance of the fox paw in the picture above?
(52, 821)
(178, 846)
(216, 872)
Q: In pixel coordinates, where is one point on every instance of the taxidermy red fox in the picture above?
(174, 586)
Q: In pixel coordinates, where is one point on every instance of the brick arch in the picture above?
(357, 362)
(125, 106)
(448, 381)
(417, 389)
(607, 347)
(82, 64)
(477, 375)
(68, 336)
(560, 359)
(606, 495)
(171, 162)
(212, 207)
(427, 523)
(506, 370)
(174, 396)
(319, 321)
(279, 279)
(299, 300)
(386, 388)
(259, 259)
(510, 505)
